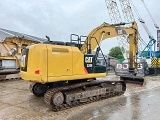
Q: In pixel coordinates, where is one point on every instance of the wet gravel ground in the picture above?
(138, 103)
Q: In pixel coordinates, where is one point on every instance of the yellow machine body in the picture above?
(52, 63)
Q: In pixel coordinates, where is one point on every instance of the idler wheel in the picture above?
(38, 89)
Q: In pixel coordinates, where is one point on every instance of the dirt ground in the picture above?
(138, 103)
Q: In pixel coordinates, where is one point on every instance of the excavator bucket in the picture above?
(125, 74)
(134, 80)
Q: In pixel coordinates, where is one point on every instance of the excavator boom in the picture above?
(133, 73)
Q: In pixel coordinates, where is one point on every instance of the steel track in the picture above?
(51, 92)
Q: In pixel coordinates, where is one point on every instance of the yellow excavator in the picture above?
(66, 73)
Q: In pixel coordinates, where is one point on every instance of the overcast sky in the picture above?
(60, 18)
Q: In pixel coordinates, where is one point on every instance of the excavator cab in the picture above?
(91, 60)
(79, 41)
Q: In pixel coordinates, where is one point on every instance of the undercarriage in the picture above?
(9, 74)
(71, 95)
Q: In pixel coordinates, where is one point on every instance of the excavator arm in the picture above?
(133, 73)
(105, 31)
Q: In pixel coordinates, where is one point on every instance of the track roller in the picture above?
(58, 99)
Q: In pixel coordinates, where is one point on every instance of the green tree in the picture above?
(116, 53)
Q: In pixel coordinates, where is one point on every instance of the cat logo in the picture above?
(120, 31)
(88, 59)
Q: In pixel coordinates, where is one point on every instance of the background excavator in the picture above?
(11, 45)
(65, 72)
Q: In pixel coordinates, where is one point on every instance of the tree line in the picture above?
(116, 52)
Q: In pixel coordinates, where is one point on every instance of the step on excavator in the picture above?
(66, 73)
